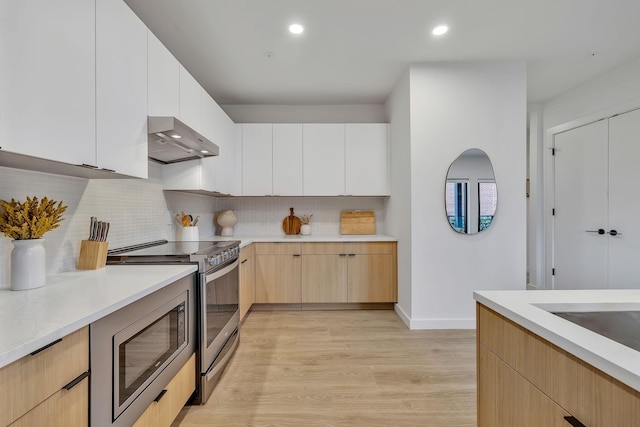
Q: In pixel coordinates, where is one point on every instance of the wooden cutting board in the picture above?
(357, 222)
(291, 224)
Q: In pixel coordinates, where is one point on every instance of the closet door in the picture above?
(581, 206)
(624, 203)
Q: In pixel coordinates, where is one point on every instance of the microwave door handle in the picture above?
(217, 274)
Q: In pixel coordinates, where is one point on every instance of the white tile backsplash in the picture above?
(140, 211)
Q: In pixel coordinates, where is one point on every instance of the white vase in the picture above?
(305, 229)
(226, 220)
(28, 264)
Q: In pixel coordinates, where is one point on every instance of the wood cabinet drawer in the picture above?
(247, 252)
(34, 378)
(277, 248)
(332, 248)
(163, 411)
(364, 248)
(65, 408)
(588, 394)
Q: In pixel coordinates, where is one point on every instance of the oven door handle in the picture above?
(219, 273)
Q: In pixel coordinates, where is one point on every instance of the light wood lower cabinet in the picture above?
(582, 391)
(163, 411)
(508, 399)
(33, 388)
(247, 280)
(326, 272)
(324, 278)
(65, 408)
(278, 269)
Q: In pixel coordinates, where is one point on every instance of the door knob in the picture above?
(599, 231)
(615, 233)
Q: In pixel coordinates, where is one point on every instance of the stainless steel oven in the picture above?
(219, 305)
(217, 299)
(137, 350)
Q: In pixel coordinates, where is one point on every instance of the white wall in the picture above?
(399, 206)
(454, 107)
(366, 113)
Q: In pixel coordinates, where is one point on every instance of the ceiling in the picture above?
(354, 51)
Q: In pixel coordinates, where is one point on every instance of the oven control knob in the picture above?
(214, 260)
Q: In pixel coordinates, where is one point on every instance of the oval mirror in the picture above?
(471, 195)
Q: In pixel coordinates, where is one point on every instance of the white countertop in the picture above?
(531, 309)
(69, 301)
(281, 238)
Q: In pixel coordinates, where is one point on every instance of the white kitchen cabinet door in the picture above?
(121, 89)
(163, 80)
(257, 166)
(227, 162)
(287, 159)
(580, 252)
(190, 175)
(208, 125)
(323, 162)
(190, 100)
(47, 79)
(235, 174)
(624, 204)
(366, 161)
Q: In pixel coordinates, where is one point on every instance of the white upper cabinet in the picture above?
(190, 100)
(192, 175)
(224, 135)
(366, 159)
(47, 79)
(323, 160)
(121, 89)
(257, 158)
(287, 159)
(163, 73)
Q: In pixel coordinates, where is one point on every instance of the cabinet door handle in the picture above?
(615, 233)
(599, 231)
(352, 254)
(160, 396)
(75, 382)
(296, 254)
(342, 254)
(244, 261)
(574, 422)
(46, 346)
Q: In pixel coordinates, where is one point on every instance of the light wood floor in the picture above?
(342, 368)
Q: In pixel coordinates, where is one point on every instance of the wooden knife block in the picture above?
(93, 255)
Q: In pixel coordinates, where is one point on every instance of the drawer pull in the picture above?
(244, 261)
(343, 254)
(574, 422)
(160, 396)
(352, 254)
(46, 346)
(75, 382)
(296, 254)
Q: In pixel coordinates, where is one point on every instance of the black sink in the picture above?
(620, 326)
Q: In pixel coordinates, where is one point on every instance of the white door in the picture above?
(580, 254)
(624, 203)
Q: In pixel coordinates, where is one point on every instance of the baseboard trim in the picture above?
(403, 316)
(442, 324)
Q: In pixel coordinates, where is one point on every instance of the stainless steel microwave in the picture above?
(137, 350)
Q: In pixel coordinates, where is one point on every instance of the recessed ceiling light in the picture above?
(440, 30)
(296, 28)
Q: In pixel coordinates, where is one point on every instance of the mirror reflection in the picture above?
(471, 194)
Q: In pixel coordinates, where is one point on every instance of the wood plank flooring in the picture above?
(342, 368)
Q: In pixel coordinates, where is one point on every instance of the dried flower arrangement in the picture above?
(31, 219)
(305, 219)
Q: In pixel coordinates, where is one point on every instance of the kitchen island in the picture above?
(536, 368)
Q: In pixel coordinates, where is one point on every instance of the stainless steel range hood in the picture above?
(171, 141)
